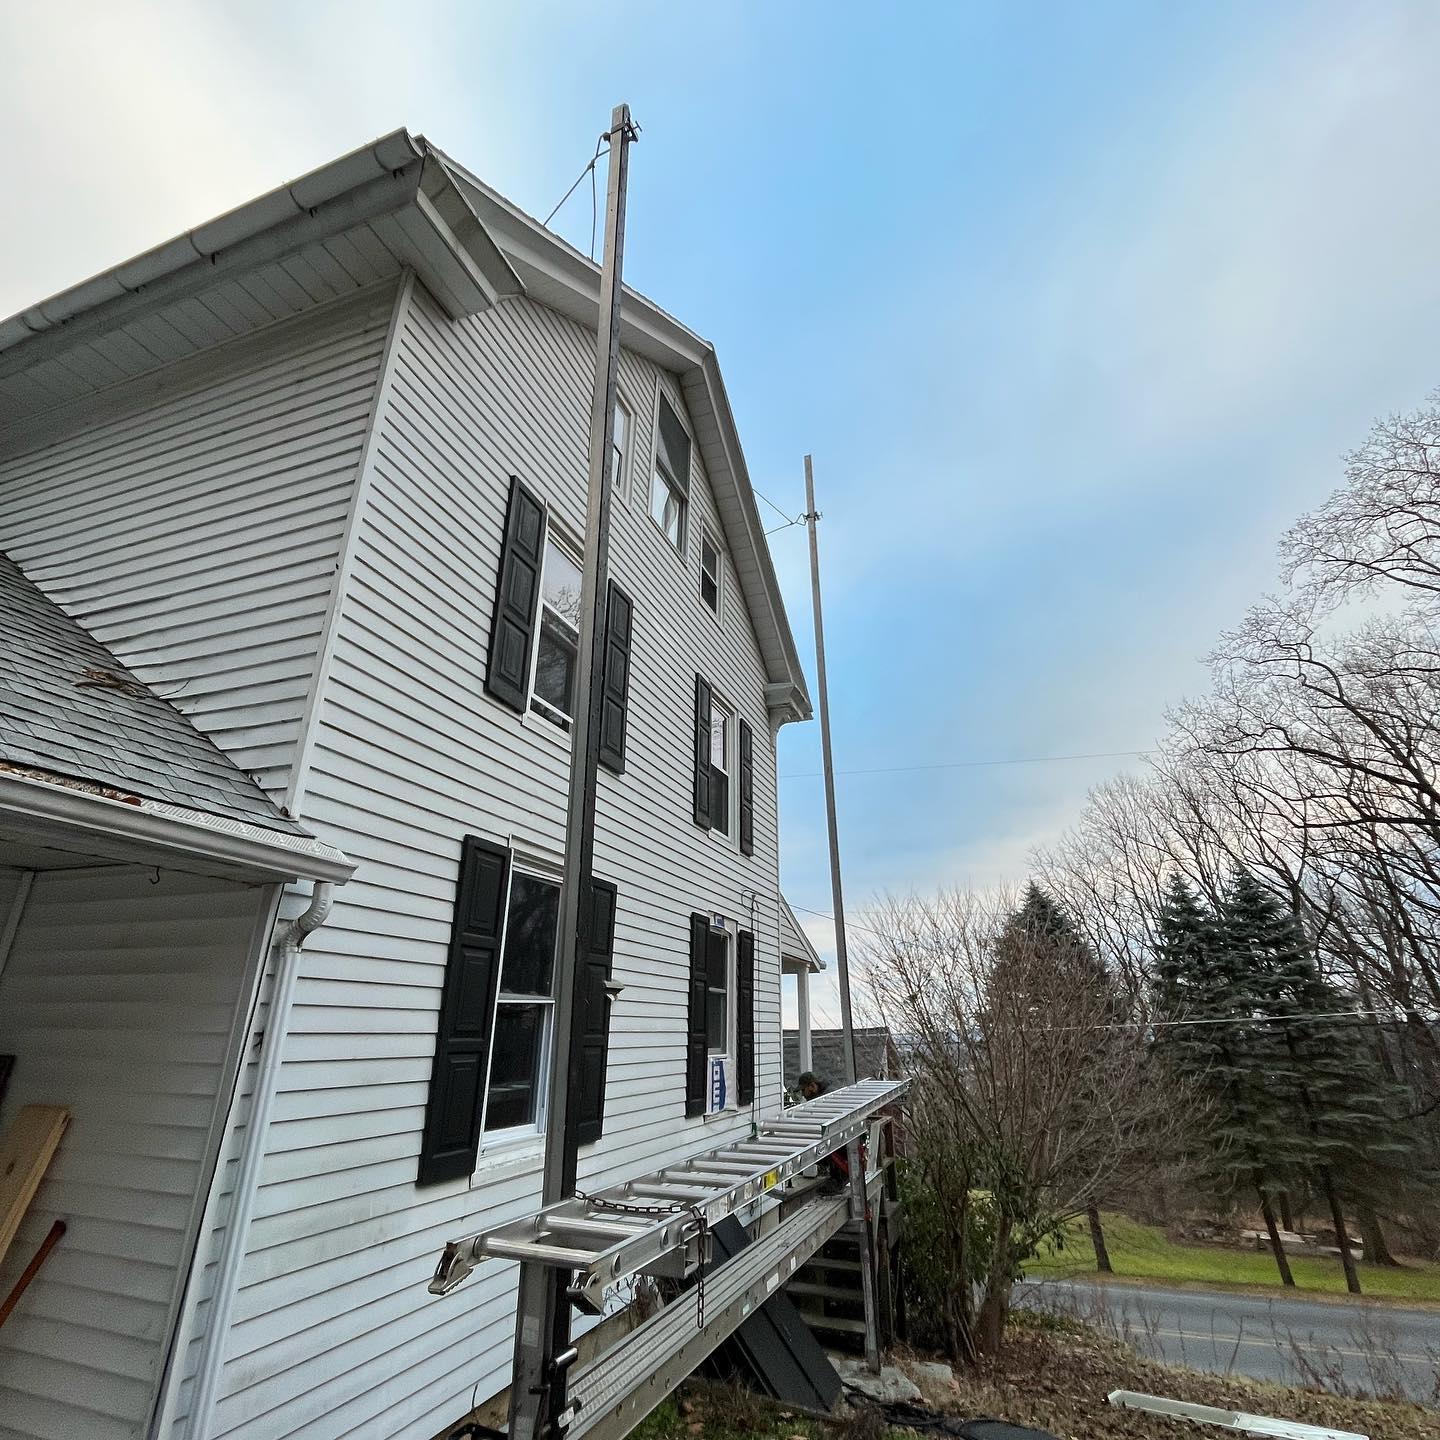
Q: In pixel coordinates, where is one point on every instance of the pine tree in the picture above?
(1212, 984)
(1347, 1110)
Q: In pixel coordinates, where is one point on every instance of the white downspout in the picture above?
(242, 1202)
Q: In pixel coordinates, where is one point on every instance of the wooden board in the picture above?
(24, 1155)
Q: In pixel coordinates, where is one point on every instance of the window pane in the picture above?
(529, 963)
(719, 739)
(515, 1065)
(555, 660)
(621, 441)
(666, 505)
(709, 560)
(709, 591)
(715, 1026)
(561, 587)
(719, 801)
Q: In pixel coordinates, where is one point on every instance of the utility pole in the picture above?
(543, 1352)
(859, 1221)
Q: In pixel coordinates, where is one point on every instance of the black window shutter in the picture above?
(745, 1018)
(747, 790)
(619, 616)
(467, 1010)
(702, 752)
(696, 1051)
(588, 1073)
(512, 627)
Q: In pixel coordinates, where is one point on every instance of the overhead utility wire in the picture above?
(590, 171)
(969, 764)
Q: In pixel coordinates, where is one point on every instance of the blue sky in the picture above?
(1075, 305)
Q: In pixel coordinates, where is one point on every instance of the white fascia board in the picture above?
(153, 832)
(444, 239)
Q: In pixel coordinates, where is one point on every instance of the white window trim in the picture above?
(730, 836)
(513, 1137)
(620, 481)
(732, 1001)
(576, 552)
(707, 535)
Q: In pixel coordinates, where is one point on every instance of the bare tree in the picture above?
(1031, 1098)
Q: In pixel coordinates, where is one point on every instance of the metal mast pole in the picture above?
(859, 1223)
(543, 1352)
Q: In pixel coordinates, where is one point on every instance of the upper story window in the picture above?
(557, 639)
(620, 449)
(709, 570)
(515, 1092)
(670, 477)
(722, 754)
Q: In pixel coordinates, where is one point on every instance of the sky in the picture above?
(1076, 306)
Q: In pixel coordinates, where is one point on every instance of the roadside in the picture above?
(1145, 1252)
(1055, 1379)
(1357, 1348)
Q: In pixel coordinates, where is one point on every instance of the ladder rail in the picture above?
(675, 1205)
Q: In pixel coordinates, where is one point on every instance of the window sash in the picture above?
(620, 447)
(542, 1007)
(667, 505)
(553, 678)
(709, 572)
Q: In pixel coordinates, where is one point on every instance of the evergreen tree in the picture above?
(1212, 984)
(1339, 1099)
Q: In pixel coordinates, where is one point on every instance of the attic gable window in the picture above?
(670, 476)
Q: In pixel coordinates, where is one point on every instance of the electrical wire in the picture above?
(967, 764)
(590, 171)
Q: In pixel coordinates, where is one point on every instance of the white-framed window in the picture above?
(719, 981)
(667, 504)
(670, 474)
(557, 636)
(710, 570)
(722, 767)
(620, 449)
(521, 1037)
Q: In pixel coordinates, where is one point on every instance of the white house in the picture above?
(294, 505)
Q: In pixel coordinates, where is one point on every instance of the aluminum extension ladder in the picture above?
(658, 1224)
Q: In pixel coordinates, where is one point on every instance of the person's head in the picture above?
(809, 1085)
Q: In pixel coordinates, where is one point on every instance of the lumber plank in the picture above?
(24, 1156)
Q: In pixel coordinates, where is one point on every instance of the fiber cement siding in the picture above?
(334, 1331)
(191, 521)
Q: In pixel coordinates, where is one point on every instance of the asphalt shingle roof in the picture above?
(68, 706)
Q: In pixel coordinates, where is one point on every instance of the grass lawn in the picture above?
(1143, 1252)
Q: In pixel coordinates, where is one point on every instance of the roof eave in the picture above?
(448, 246)
(158, 833)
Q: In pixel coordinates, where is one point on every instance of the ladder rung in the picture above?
(562, 1255)
(683, 1193)
(609, 1230)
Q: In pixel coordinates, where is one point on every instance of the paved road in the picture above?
(1378, 1348)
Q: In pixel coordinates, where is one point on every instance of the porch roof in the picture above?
(73, 719)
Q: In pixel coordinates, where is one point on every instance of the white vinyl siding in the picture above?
(119, 1000)
(334, 1331)
(191, 521)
